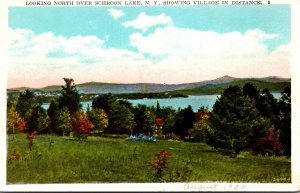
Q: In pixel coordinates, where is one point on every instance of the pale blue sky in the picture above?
(70, 21)
(235, 40)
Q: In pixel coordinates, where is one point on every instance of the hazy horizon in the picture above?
(77, 83)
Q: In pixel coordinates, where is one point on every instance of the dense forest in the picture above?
(244, 118)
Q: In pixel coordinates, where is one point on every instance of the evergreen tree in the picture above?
(104, 102)
(127, 104)
(284, 123)
(184, 122)
(251, 91)
(267, 105)
(144, 119)
(25, 105)
(38, 120)
(70, 97)
(234, 118)
(52, 114)
(262, 102)
(268, 108)
(169, 116)
(158, 110)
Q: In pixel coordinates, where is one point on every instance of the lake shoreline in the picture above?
(196, 101)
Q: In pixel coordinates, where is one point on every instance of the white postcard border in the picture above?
(294, 186)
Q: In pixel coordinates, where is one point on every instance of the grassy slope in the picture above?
(118, 160)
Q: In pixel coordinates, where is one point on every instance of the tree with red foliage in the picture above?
(82, 127)
(21, 124)
(269, 144)
(159, 122)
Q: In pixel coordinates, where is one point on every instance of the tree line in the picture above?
(243, 118)
(252, 119)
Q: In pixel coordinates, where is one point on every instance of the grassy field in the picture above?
(56, 159)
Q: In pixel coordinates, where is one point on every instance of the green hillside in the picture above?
(218, 88)
(164, 91)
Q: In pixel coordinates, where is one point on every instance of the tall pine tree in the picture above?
(70, 97)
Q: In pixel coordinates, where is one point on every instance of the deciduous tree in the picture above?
(201, 130)
(121, 119)
(63, 122)
(99, 119)
(82, 127)
(13, 120)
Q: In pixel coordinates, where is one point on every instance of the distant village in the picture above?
(36, 93)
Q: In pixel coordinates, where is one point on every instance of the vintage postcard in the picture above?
(166, 95)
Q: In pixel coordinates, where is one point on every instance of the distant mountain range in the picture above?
(214, 86)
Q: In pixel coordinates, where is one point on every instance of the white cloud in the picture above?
(144, 21)
(174, 55)
(282, 50)
(260, 35)
(116, 13)
(192, 55)
(36, 57)
(201, 44)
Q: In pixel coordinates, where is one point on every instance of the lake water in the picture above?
(195, 101)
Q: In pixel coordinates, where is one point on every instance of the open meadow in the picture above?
(57, 159)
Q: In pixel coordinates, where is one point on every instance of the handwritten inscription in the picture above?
(214, 187)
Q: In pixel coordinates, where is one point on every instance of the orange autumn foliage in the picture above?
(83, 126)
(21, 124)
